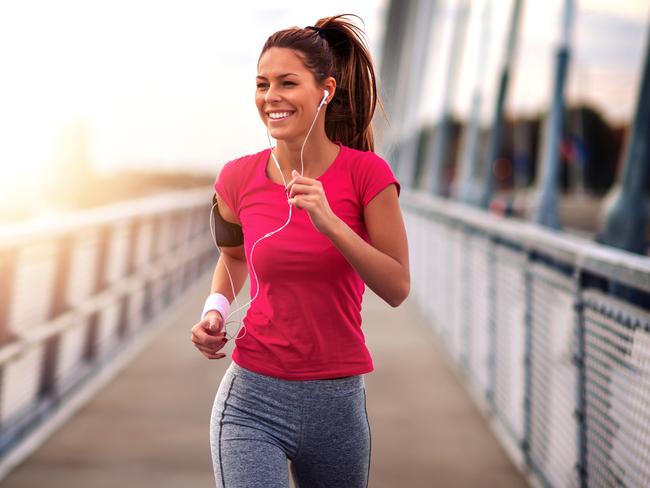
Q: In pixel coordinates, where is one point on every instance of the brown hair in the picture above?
(336, 47)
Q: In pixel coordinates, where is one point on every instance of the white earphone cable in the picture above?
(268, 234)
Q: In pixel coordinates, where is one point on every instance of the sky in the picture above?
(608, 40)
(155, 83)
(169, 84)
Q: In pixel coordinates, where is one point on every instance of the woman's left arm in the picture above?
(384, 263)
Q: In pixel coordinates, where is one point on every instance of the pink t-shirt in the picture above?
(305, 323)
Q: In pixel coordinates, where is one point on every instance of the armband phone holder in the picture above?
(226, 233)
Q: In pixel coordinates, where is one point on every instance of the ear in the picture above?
(330, 85)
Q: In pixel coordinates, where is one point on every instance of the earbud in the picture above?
(324, 100)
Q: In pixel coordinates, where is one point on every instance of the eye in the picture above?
(289, 83)
(261, 86)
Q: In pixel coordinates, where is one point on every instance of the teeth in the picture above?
(279, 115)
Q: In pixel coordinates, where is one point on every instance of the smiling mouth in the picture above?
(279, 116)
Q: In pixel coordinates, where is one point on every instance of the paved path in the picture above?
(149, 426)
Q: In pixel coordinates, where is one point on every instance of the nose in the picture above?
(272, 95)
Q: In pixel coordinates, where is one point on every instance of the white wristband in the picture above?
(218, 302)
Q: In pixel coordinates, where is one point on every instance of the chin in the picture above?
(280, 135)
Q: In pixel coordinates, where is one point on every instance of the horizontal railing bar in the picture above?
(615, 264)
(19, 234)
(37, 335)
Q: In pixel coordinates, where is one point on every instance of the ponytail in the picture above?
(336, 47)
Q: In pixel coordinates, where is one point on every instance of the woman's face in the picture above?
(287, 94)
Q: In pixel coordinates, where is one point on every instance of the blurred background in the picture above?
(522, 108)
(103, 101)
(519, 131)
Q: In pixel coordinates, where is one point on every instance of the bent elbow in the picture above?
(397, 299)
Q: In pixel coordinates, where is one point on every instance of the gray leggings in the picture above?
(258, 422)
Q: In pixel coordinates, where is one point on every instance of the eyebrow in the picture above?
(280, 76)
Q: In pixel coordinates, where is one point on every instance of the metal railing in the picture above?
(75, 292)
(550, 330)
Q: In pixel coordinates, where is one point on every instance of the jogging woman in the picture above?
(311, 221)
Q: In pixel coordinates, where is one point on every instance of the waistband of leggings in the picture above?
(334, 386)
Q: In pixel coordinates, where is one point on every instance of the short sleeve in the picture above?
(227, 188)
(373, 175)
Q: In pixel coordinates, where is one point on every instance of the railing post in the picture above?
(492, 332)
(581, 400)
(102, 257)
(8, 259)
(59, 305)
(528, 348)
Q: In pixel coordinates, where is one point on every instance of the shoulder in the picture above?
(370, 173)
(235, 175)
(366, 165)
(363, 158)
(242, 164)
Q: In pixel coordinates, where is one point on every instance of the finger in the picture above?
(213, 356)
(202, 324)
(308, 202)
(202, 335)
(214, 320)
(300, 178)
(209, 350)
(210, 346)
(207, 339)
(298, 188)
(289, 185)
(296, 201)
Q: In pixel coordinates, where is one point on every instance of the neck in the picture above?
(317, 151)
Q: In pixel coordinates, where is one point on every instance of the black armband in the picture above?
(226, 233)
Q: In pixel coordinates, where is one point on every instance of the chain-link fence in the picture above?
(551, 330)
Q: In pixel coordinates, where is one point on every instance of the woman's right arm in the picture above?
(234, 258)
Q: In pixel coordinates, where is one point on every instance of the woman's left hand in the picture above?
(307, 193)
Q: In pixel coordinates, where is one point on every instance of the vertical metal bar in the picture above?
(581, 393)
(102, 256)
(438, 154)
(468, 185)
(546, 208)
(492, 326)
(48, 381)
(132, 247)
(496, 136)
(59, 303)
(8, 261)
(412, 69)
(626, 214)
(91, 344)
(466, 290)
(393, 41)
(528, 356)
(123, 324)
(395, 68)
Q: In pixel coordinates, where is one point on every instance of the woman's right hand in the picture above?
(209, 335)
